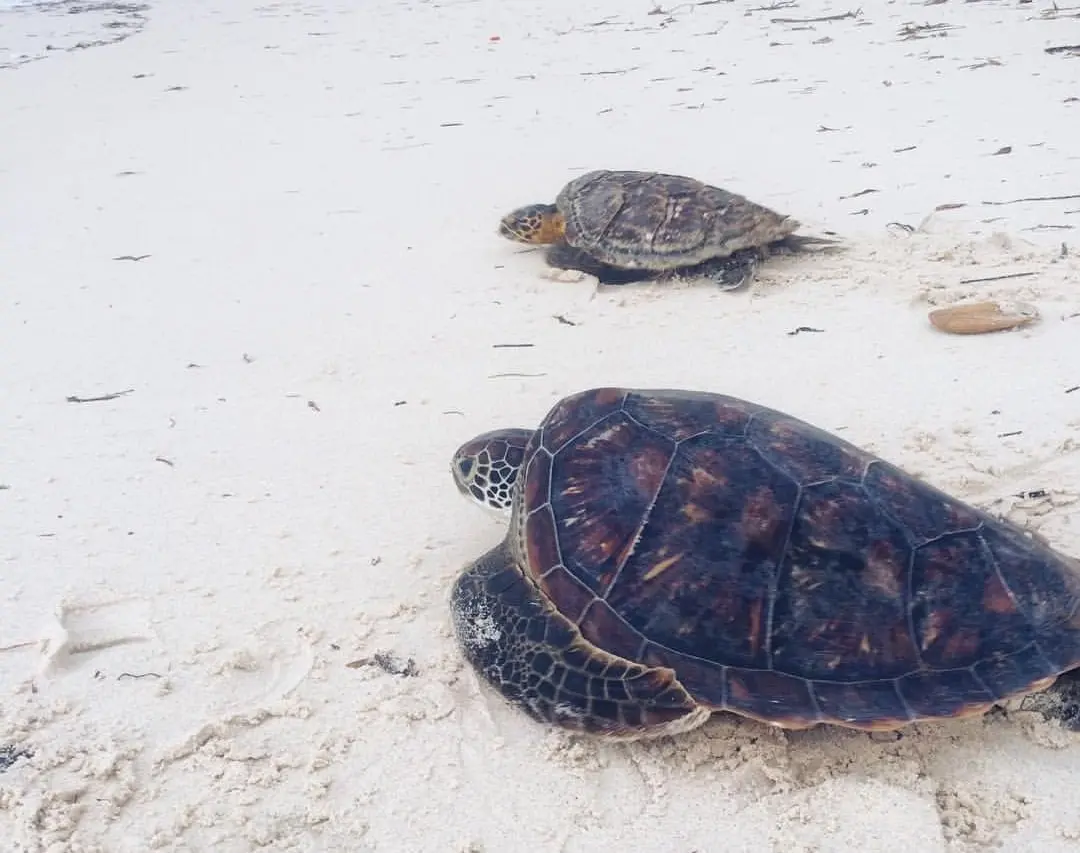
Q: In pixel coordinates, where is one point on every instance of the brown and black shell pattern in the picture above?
(655, 221)
(782, 573)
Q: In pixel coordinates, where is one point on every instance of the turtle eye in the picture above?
(465, 468)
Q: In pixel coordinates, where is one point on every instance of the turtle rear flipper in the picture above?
(563, 256)
(740, 267)
(731, 272)
(796, 243)
(537, 659)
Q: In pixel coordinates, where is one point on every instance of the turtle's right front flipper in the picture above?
(563, 256)
(537, 660)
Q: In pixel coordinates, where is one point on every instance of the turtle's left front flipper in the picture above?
(537, 659)
(563, 256)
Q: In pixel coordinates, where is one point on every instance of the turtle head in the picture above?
(534, 223)
(486, 468)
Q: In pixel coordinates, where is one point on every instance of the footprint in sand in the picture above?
(250, 683)
(81, 630)
(271, 662)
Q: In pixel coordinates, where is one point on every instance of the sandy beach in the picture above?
(253, 299)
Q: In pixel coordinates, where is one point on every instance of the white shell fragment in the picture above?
(976, 318)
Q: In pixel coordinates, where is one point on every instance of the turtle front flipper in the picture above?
(563, 256)
(538, 660)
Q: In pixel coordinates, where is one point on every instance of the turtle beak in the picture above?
(507, 231)
(461, 468)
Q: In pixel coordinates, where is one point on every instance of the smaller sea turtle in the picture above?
(674, 553)
(626, 226)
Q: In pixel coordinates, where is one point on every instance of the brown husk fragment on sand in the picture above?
(976, 318)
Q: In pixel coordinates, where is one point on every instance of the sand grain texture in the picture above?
(272, 226)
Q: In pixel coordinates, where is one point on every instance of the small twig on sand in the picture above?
(1034, 198)
(983, 63)
(821, 20)
(921, 31)
(610, 72)
(1055, 10)
(1065, 48)
(601, 23)
(996, 277)
(29, 643)
(516, 375)
(858, 194)
(102, 398)
(775, 7)
(511, 346)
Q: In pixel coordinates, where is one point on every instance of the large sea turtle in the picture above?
(625, 226)
(674, 553)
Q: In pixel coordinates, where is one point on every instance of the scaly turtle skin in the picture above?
(673, 553)
(624, 226)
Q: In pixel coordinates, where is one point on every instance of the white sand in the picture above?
(312, 333)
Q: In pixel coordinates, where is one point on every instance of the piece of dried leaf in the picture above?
(977, 318)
